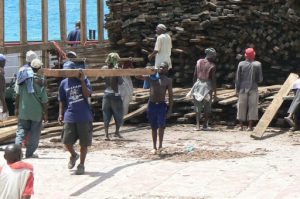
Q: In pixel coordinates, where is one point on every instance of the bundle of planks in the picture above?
(224, 110)
(270, 26)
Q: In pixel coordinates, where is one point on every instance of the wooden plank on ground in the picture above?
(8, 133)
(10, 121)
(273, 108)
(95, 72)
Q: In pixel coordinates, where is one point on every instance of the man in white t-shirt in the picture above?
(163, 46)
(16, 177)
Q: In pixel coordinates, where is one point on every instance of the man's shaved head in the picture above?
(13, 153)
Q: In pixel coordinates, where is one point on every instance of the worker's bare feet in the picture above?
(153, 151)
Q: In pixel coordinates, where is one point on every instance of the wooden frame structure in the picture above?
(44, 45)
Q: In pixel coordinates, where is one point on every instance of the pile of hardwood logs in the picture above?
(272, 27)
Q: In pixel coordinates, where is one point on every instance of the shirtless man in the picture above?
(158, 111)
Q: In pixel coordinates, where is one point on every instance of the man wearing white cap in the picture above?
(163, 46)
(294, 107)
(30, 106)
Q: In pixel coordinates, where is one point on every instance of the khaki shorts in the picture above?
(74, 131)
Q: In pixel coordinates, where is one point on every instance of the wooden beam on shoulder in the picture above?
(96, 72)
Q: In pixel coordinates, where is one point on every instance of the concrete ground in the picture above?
(219, 164)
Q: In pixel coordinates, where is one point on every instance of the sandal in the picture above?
(80, 169)
(290, 121)
(72, 161)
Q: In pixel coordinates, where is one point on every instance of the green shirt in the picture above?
(30, 104)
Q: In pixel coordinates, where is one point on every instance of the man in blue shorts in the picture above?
(158, 111)
(75, 113)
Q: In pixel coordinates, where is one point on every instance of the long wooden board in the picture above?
(96, 59)
(95, 72)
(273, 108)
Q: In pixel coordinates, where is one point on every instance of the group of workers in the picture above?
(76, 114)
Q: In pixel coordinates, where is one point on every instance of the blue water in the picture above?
(34, 26)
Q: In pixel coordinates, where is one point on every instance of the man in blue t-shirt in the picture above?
(76, 115)
(74, 35)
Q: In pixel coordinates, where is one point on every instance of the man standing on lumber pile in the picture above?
(293, 111)
(16, 177)
(204, 87)
(248, 75)
(76, 115)
(4, 111)
(162, 49)
(31, 104)
(112, 104)
(158, 111)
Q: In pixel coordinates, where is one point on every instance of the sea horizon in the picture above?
(34, 19)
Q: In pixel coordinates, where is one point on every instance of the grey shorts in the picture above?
(112, 106)
(203, 105)
(74, 131)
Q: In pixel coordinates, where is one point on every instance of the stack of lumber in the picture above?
(272, 27)
(224, 110)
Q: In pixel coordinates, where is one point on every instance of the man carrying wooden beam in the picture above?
(158, 111)
(76, 115)
(248, 75)
(112, 104)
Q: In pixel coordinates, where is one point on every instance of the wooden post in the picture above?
(83, 21)
(63, 20)
(2, 41)
(267, 117)
(45, 56)
(23, 29)
(100, 12)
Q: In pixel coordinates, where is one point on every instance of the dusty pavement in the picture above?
(221, 164)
